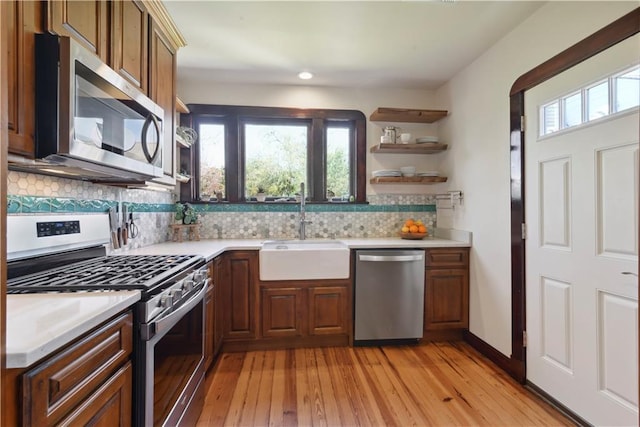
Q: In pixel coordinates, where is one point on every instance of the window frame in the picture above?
(235, 117)
(610, 81)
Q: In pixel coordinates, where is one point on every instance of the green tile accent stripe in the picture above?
(151, 207)
(293, 207)
(35, 204)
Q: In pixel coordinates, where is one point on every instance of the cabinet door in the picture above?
(328, 310)
(55, 388)
(129, 41)
(240, 295)
(209, 326)
(85, 21)
(282, 312)
(21, 21)
(446, 299)
(218, 330)
(110, 405)
(162, 89)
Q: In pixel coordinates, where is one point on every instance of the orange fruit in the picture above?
(405, 229)
(422, 229)
(409, 222)
(413, 229)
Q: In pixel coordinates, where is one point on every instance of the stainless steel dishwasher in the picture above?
(389, 296)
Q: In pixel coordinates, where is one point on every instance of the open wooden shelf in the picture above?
(409, 148)
(406, 115)
(408, 180)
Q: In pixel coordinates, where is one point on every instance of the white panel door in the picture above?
(581, 200)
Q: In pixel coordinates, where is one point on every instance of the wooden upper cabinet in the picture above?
(85, 21)
(22, 18)
(129, 41)
(162, 89)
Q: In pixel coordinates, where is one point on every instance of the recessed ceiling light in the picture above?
(305, 75)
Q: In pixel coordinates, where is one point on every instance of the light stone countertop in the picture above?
(39, 324)
(214, 247)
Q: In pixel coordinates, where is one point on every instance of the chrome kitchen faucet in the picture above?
(302, 229)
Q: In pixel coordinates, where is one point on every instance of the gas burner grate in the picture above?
(111, 273)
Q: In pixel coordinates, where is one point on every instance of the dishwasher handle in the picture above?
(390, 258)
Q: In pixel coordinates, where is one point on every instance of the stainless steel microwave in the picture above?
(90, 122)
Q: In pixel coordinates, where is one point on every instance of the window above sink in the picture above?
(240, 150)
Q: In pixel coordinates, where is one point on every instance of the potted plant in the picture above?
(261, 195)
(186, 213)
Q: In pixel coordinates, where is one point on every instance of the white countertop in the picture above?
(214, 247)
(39, 324)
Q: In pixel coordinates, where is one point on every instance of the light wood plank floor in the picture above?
(437, 384)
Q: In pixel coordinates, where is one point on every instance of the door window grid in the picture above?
(615, 94)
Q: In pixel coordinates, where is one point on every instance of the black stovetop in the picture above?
(117, 272)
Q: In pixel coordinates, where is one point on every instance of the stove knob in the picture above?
(187, 285)
(200, 276)
(166, 301)
(176, 294)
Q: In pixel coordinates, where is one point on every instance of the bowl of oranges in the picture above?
(413, 230)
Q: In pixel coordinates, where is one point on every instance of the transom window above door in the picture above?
(617, 93)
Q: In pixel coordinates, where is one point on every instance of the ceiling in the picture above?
(394, 44)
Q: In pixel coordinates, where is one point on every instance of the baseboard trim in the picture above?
(556, 404)
(513, 367)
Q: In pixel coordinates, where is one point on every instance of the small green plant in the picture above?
(186, 213)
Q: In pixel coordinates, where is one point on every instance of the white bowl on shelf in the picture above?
(408, 170)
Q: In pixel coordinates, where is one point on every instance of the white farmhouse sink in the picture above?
(304, 260)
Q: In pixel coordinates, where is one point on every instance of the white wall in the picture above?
(478, 131)
(365, 100)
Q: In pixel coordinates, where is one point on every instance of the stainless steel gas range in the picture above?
(66, 253)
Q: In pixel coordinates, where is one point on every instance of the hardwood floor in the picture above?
(440, 384)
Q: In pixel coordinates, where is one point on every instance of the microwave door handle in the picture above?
(145, 130)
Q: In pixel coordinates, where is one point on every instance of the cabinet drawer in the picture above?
(110, 405)
(449, 257)
(54, 388)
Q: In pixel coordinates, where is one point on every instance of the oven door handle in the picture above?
(167, 322)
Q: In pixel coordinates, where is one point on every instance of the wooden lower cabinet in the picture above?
(213, 313)
(282, 312)
(218, 328)
(328, 310)
(304, 311)
(312, 310)
(110, 405)
(446, 299)
(239, 295)
(209, 325)
(261, 315)
(88, 382)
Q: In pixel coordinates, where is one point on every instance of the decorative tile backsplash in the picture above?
(154, 211)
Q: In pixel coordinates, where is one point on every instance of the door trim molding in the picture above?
(614, 33)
